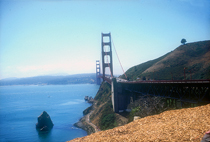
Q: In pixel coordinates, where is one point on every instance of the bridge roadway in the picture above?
(109, 80)
(190, 91)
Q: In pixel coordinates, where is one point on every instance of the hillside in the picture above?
(102, 112)
(175, 125)
(194, 57)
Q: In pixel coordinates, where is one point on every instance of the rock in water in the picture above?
(44, 122)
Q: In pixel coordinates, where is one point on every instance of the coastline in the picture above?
(85, 123)
(85, 126)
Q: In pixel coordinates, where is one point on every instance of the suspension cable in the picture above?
(100, 61)
(118, 58)
(108, 61)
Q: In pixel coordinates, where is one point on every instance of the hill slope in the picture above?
(176, 125)
(194, 57)
(102, 112)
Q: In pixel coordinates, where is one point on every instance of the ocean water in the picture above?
(21, 105)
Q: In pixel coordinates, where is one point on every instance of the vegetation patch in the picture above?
(103, 115)
(87, 110)
(108, 118)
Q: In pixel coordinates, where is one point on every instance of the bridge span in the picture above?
(190, 91)
(123, 91)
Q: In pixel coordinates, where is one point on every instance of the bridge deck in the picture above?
(167, 81)
(191, 91)
(109, 80)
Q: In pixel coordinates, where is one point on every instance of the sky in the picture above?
(57, 37)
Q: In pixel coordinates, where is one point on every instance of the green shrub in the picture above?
(107, 121)
(108, 118)
(134, 112)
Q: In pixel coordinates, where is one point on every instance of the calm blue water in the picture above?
(21, 105)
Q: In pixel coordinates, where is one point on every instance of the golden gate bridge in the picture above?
(190, 91)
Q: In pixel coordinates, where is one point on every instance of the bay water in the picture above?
(21, 105)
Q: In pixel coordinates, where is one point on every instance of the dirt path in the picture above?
(87, 120)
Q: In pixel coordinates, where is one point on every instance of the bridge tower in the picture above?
(98, 79)
(106, 48)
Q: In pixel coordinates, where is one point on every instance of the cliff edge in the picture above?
(100, 115)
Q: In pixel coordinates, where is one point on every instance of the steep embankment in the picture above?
(194, 57)
(102, 114)
(176, 125)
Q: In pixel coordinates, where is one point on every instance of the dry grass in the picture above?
(97, 113)
(205, 60)
(176, 125)
(160, 65)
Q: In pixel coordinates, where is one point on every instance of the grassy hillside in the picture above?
(103, 115)
(194, 57)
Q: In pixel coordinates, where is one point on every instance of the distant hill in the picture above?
(51, 80)
(194, 57)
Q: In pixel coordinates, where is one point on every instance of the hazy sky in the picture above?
(40, 37)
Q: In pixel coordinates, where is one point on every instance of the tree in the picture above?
(183, 41)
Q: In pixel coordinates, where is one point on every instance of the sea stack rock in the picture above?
(44, 122)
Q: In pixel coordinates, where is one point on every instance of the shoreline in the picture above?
(85, 123)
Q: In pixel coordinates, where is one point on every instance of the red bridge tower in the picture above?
(106, 48)
(98, 79)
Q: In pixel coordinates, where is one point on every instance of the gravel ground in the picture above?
(175, 125)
